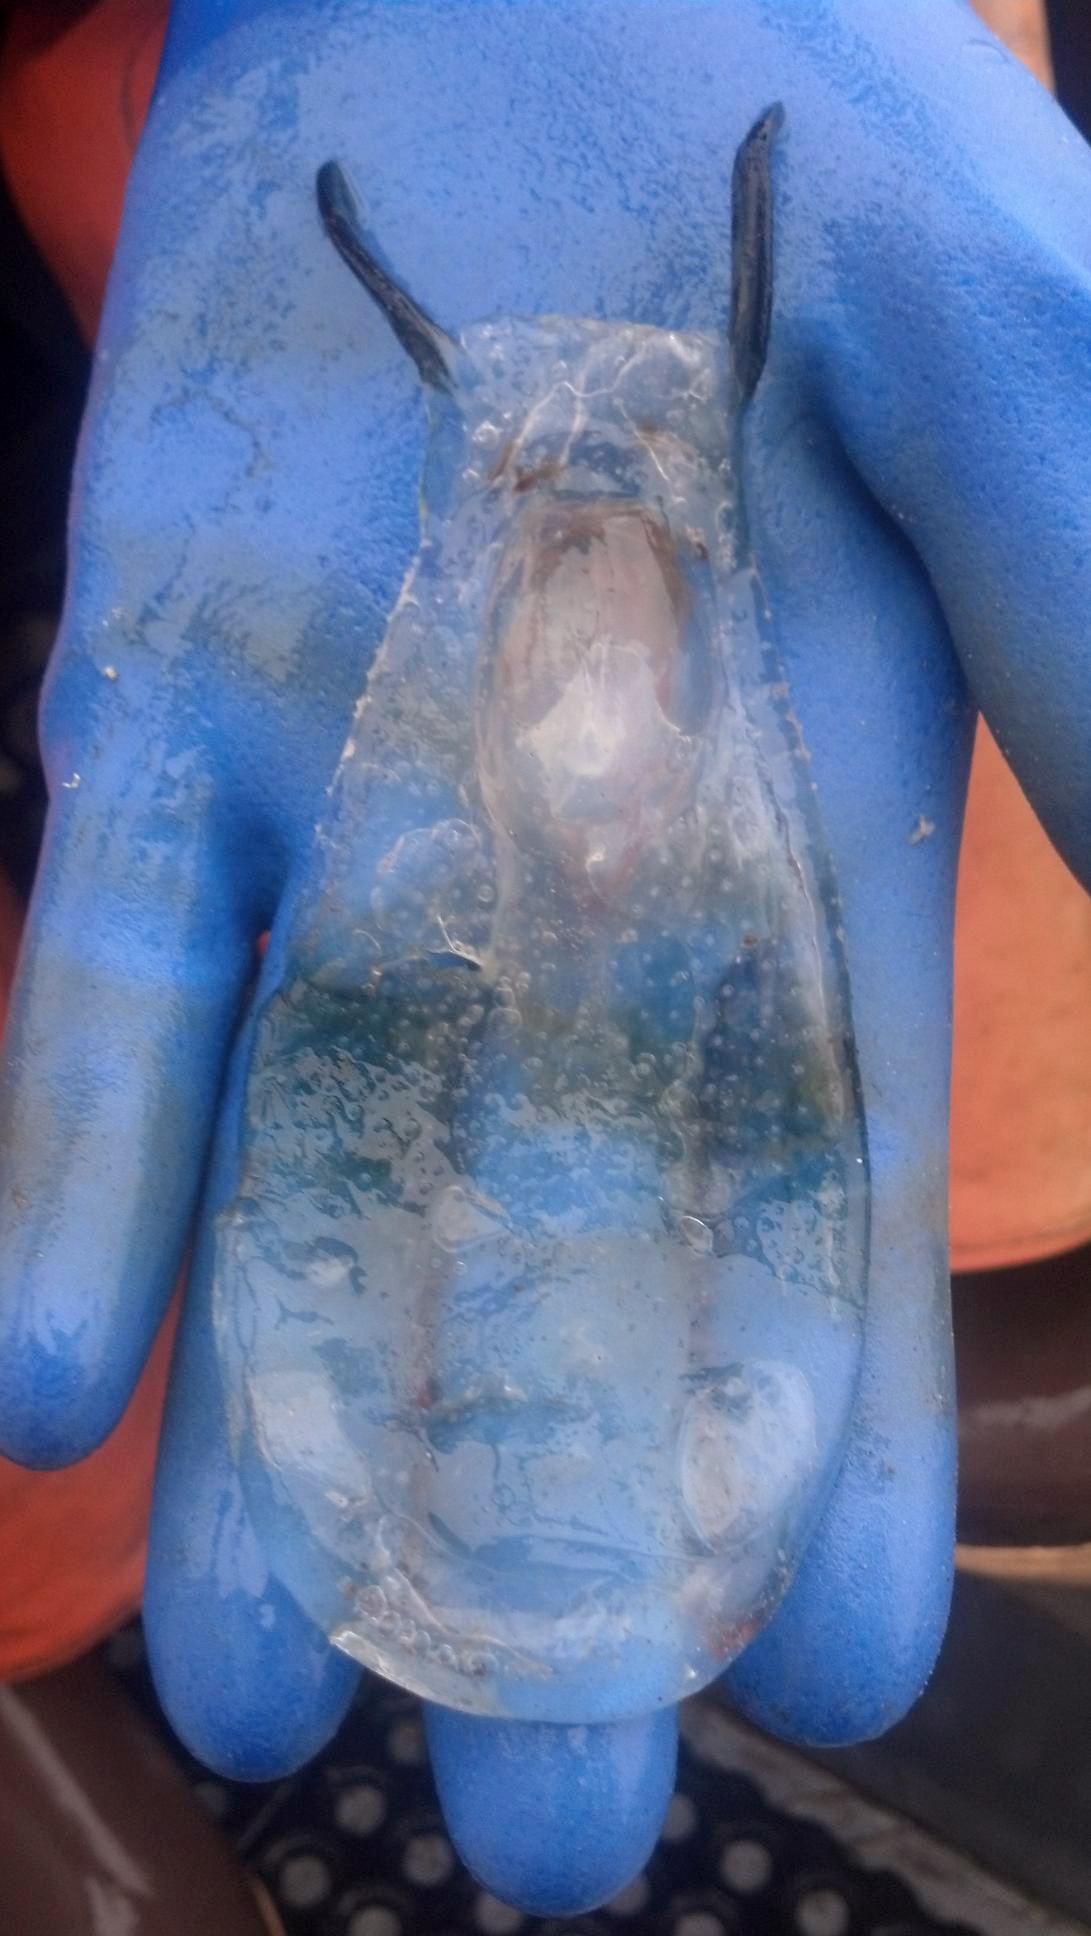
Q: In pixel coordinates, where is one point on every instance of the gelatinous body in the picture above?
(545, 1278)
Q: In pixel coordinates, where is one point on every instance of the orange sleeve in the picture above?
(74, 94)
(1021, 1081)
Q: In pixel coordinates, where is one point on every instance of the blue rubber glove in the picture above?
(918, 474)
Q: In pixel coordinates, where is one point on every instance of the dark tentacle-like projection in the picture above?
(752, 251)
(431, 348)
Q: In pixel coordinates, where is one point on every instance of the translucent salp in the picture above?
(544, 1284)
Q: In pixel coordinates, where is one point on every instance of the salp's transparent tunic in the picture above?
(544, 1283)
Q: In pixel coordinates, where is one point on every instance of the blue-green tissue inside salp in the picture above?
(545, 1278)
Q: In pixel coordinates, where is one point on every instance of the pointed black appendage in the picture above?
(431, 348)
(752, 251)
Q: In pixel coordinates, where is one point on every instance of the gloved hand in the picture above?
(918, 475)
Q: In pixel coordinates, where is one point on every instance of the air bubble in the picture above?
(697, 1235)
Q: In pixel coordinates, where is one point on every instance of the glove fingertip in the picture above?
(250, 1685)
(553, 1819)
(855, 1642)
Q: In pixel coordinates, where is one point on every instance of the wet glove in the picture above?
(891, 528)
